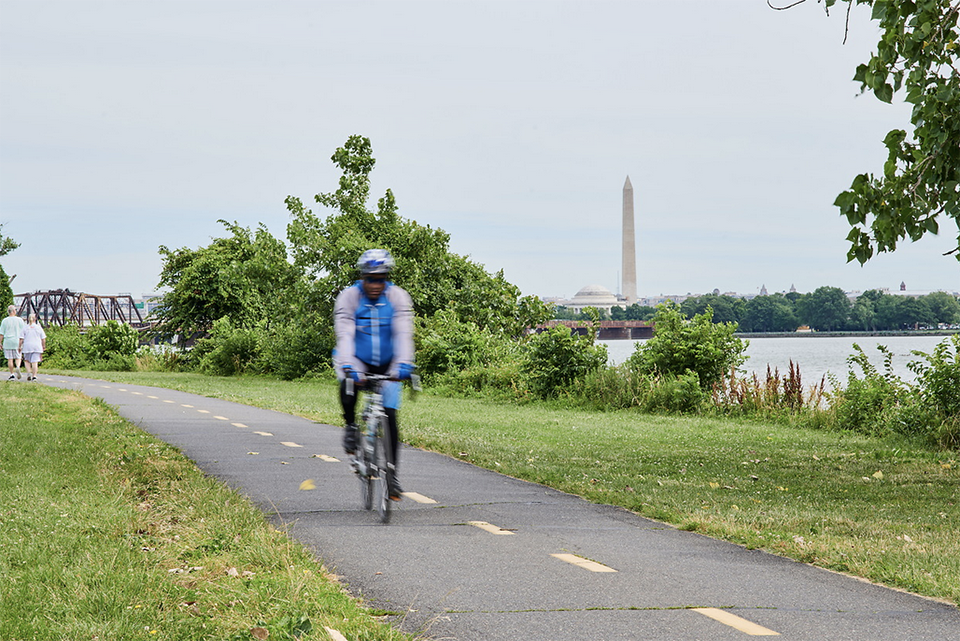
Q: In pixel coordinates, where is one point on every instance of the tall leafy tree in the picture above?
(944, 307)
(916, 57)
(826, 309)
(769, 314)
(7, 245)
(241, 277)
(327, 249)
(726, 309)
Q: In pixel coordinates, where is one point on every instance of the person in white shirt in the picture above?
(10, 327)
(33, 342)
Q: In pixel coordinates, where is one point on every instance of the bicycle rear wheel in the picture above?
(382, 482)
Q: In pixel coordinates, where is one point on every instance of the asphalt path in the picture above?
(470, 554)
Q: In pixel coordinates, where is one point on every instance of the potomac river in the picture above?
(815, 355)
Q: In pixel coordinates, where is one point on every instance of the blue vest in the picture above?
(374, 337)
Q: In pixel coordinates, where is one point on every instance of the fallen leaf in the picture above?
(308, 485)
(878, 475)
(253, 453)
(233, 572)
(714, 485)
(260, 633)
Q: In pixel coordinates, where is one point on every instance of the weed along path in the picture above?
(471, 554)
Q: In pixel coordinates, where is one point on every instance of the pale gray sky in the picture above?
(510, 124)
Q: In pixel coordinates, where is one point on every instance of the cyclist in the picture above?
(373, 320)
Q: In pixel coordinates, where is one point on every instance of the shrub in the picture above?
(112, 338)
(295, 350)
(938, 378)
(66, 348)
(161, 358)
(465, 359)
(699, 345)
(622, 387)
(557, 359)
(875, 403)
(229, 350)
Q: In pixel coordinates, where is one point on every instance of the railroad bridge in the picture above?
(608, 330)
(63, 307)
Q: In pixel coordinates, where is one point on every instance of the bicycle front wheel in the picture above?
(382, 483)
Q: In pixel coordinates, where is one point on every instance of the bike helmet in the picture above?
(375, 261)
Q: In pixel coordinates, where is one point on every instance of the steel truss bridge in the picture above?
(63, 307)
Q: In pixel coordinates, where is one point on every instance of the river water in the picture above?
(815, 355)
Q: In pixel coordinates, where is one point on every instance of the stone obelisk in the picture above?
(629, 246)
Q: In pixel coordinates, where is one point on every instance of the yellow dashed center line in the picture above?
(290, 444)
(156, 398)
(166, 401)
(238, 425)
(122, 389)
(419, 498)
(581, 562)
(739, 623)
(222, 418)
(204, 411)
(185, 405)
(137, 393)
(105, 387)
(328, 459)
(489, 527)
(264, 433)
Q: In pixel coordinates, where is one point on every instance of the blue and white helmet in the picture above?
(375, 261)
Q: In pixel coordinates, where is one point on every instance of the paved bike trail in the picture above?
(450, 576)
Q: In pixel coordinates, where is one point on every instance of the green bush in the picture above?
(66, 348)
(295, 350)
(557, 361)
(112, 338)
(161, 358)
(229, 350)
(622, 387)
(874, 404)
(708, 349)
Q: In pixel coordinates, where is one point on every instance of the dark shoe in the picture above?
(350, 439)
(396, 492)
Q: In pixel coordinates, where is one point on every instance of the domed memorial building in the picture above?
(593, 296)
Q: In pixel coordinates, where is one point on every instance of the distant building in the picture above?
(596, 296)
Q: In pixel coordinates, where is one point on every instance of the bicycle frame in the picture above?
(373, 463)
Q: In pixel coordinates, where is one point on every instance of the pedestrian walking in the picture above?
(33, 342)
(10, 327)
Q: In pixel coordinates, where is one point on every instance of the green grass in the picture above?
(886, 510)
(107, 533)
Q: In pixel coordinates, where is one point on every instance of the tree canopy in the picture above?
(437, 279)
(916, 57)
(240, 277)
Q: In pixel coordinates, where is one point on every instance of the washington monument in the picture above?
(629, 246)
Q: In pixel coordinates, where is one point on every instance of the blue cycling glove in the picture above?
(352, 373)
(406, 371)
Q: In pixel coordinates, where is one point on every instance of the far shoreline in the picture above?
(932, 332)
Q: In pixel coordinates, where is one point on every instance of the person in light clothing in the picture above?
(10, 327)
(33, 342)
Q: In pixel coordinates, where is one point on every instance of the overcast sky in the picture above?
(510, 124)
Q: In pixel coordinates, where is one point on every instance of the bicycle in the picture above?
(373, 463)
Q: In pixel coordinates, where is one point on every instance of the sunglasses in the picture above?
(374, 279)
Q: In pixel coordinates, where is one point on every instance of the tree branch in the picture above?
(789, 6)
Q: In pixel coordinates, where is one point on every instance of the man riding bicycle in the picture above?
(373, 320)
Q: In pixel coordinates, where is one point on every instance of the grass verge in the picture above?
(108, 533)
(884, 509)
